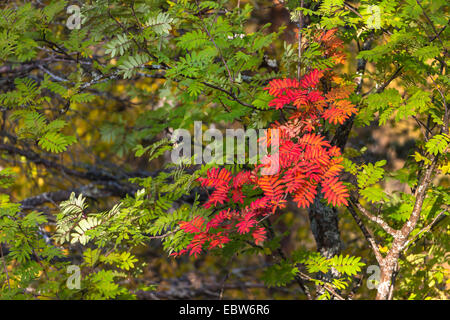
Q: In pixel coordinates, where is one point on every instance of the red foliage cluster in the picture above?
(312, 103)
(307, 163)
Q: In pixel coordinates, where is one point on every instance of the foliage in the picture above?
(88, 117)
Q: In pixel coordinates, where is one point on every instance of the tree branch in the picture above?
(367, 234)
(383, 224)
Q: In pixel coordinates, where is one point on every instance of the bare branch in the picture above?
(383, 224)
(441, 216)
(367, 234)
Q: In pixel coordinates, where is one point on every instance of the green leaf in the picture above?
(373, 194)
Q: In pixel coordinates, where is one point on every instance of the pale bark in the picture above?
(390, 263)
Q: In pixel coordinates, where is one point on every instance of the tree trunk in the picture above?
(325, 228)
(386, 285)
(390, 262)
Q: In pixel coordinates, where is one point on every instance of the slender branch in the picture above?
(99, 176)
(420, 197)
(430, 22)
(230, 77)
(281, 254)
(423, 127)
(439, 33)
(446, 111)
(383, 224)
(441, 216)
(165, 235)
(367, 234)
(388, 82)
(390, 262)
(55, 77)
(325, 285)
(89, 190)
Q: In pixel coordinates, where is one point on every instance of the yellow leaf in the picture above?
(445, 168)
(418, 157)
(383, 249)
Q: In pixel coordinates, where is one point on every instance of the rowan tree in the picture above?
(354, 92)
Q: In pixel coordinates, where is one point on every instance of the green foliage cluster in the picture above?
(182, 61)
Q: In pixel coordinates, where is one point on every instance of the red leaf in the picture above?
(193, 226)
(278, 86)
(335, 191)
(245, 225)
(311, 79)
(259, 235)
